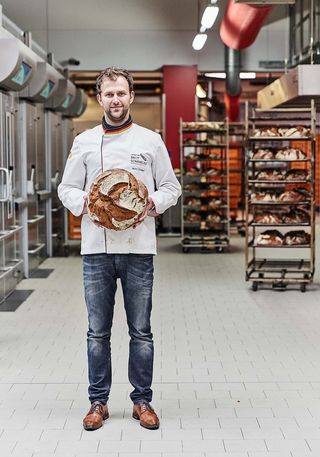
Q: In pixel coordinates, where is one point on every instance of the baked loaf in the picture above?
(296, 195)
(296, 216)
(264, 197)
(294, 132)
(192, 216)
(268, 218)
(192, 201)
(212, 219)
(290, 154)
(263, 154)
(117, 199)
(270, 238)
(194, 171)
(270, 174)
(192, 186)
(267, 132)
(291, 132)
(297, 175)
(297, 237)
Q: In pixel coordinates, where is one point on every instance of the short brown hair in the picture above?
(113, 73)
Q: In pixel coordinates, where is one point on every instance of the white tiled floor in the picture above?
(237, 373)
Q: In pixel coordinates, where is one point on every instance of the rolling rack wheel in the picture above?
(255, 286)
(303, 287)
(219, 249)
(185, 250)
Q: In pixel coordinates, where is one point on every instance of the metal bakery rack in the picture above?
(280, 197)
(205, 185)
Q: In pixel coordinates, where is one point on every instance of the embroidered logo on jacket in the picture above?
(139, 161)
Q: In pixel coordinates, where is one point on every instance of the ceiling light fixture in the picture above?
(200, 92)
(217, 75)
(222, 75)
(209, 16)
(199, 41)
(247, 75)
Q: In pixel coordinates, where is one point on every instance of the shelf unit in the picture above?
(204, 150)
(280, 197)
(237, 176)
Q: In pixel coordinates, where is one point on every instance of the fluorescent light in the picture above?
(202, 29)
(220, 75)
(209, 16)
(200, 92)
(247, 75)
(199, 40)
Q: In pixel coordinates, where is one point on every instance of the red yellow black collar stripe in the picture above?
(111, 129)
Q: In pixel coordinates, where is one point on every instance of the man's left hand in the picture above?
(149, 211)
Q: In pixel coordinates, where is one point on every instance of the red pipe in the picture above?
(241, 24)
(232, 104)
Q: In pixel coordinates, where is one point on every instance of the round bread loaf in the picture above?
(117, 199)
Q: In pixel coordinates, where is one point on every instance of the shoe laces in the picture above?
(145, 407)
(96, 407)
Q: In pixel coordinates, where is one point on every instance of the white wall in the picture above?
(136, 34)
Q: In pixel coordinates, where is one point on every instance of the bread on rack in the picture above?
(212, 219)
(297, 175)
(294, 195)
(263, 154)
(192, 216)
(193, 171)
(212, 172)
(190, 142)
(214, 203)
(265, 132)
(192, 201)
(296, 216)
(263, 197)
(207, 125)
(269, 238)
(294, 132)
(270, 174)
(268, 218)
(117, 199)
(296, 237)
(192, 186)
(290, 154)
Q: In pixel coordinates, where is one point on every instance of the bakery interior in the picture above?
(233, 89)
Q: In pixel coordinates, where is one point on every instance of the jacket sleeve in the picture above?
(168, 189)
(71, 190)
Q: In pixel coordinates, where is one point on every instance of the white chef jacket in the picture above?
(136, 149)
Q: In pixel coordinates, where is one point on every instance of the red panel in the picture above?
(232, 106)
(241, 24)
(179, 86)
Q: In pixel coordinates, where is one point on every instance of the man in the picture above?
(127, 255)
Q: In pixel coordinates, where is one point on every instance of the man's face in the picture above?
(115, 98)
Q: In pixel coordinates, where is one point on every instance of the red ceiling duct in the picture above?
(241, 24)
(232, 103)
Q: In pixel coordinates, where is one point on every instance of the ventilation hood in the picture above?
(43, 85)
(18, 62)
(295, 88)
(78, 106)
(63, 97)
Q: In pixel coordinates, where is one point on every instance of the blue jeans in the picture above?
(100, 273)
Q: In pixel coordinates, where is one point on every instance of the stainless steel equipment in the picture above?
(11, 263)
(295, 88)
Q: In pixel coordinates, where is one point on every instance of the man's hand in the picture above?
(150, 210)
(84, 210)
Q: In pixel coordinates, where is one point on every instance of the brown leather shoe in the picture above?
(95, 417)
(145, 413)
